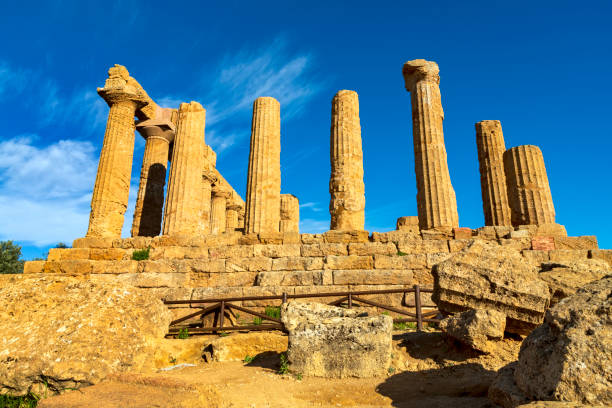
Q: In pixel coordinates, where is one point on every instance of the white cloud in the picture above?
(313, 206)
(312, 226)
(46, 190)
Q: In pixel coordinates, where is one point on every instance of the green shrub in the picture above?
(141, 254)
(273, 312)
(248, 359)
(27, 401)
(400, 253)
(183, 333)
(9, 258)
(284, 364)
(257, 320)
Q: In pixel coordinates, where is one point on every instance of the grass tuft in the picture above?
(141, 254)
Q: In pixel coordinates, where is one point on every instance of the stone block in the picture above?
(222, 279)
(456, 245)
(322, 249)
(211, 265)
(114, 267)
(423, 246)
(255, 264)
(161, 266)
(249, 239)
(349, 262)
(346, 236)
(58, 254)
(290, 278)
(276, 251)
(312, 238)
(436, 258)
(423, 277)
(372, 277)
(518, 234)
(217, 293)
(536, 258)
(173, 294)
(395, 236)
(72, 267)
(388, 299)
(408, 261)
(517, 243)
(408, 224)
(231, 251)
(92, 242)
(372, 248)
(568, 255)
(327, 341)
(604, 254)
(487, 232)
(108, 254)
(542, 243)
(296, 263)
(301, 290)
(33, 267)
(291, 238)
(154, 280)
(443, 233)
(271, 237)
(462, 233)
(584, 242)
(266, 291)
(550, 230)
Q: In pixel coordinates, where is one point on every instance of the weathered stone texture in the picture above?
(328, 341)
(408, 224)
(158, 133)
(528, 190)
(436, 201)
(477, 328)
(218, 210)
(60, 333)
(232, 212)
(491, 147)
(112, 186)
(289, 213)
(489, 276)
(565, 278)
(264, 178)
(208, 179)
(183, 212)
(347, 203)
(568, 358)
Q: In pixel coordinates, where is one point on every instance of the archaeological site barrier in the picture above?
(213, 313)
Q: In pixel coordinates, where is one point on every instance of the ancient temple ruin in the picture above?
(204, 240)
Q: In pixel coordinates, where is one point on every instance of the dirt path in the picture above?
(428, 372)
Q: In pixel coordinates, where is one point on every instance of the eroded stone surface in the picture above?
(328, 341)
(290, 213)
(476, 328)
(69, 333)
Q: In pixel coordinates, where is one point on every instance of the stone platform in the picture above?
(236, 265)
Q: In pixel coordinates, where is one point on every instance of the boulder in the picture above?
(63, 332)
(329, 341)
(503, 391)
(569, 357)
(476, 328)
(492, 277)
(564, 278)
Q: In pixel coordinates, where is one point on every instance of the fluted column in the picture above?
(528, 190)
(264, 178)
(208, 179)
(218, 206)
(112, 186)
(231, 217)
(158, 133)
(491, 148)
(290, 213)
(183, 212)
(346, 187)
(436, 201)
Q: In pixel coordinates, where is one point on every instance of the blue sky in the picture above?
(543, 68)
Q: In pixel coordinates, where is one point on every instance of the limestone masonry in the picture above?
(214, 243)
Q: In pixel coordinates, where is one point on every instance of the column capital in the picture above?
(209, 176)
(234, 207)
(420, 70)
(161, 128)
(219, 192)
(114, 95)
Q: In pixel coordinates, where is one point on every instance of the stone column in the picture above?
(491, 147)
(436, 202)
(218, 207)
(289, 213)
(183, 212)
(264, 178)
(208, 179)
(231, 217)
(158, 133)
(112, 186)
(528, 190)
(347, 202)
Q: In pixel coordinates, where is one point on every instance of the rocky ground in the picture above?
(427, 371)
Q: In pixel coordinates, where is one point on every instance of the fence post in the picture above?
(284, 297)
(222, 314)
(350, 300)
(417, 305)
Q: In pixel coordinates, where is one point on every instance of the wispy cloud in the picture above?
(313, 226)
(313, 206)
(228, 91)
